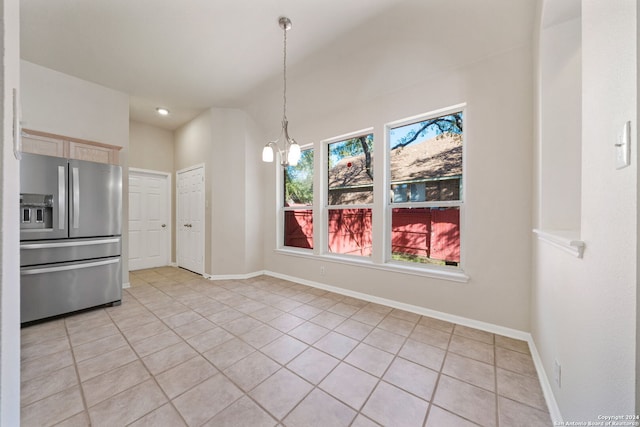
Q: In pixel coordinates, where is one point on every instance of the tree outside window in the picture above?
(298, 202)
(350, 195)
(425, 164)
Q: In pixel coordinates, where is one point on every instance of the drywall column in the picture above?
(584, 310)
(224, 139)
(9, 233)
(152, 148)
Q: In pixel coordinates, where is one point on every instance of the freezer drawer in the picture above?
(62, 288)
(54, 251)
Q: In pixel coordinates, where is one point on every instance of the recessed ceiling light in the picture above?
(162, 111)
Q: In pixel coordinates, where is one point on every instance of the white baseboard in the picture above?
(173, 264)
(235, 276)
(554, 410)
(126, 285)
(552, 404)
(464, 321)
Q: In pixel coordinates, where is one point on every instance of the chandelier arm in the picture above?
(274, 146)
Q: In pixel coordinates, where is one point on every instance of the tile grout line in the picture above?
(75, 367)
(309, 346)
(495, 378)
(388, 315)
(285, 293)
(169, 401)
(390, 363)
(437, 383)
(221, 372)
(360, 341)
(359, 410)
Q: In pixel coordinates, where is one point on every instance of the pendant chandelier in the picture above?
(290, 152)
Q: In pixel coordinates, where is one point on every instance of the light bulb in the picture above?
(294, 154)
(267, 154)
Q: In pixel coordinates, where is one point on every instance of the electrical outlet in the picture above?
(557, 373)
(323, 270)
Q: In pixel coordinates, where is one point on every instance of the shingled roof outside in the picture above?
(440, 156)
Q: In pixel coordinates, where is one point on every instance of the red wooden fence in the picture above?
(298, 229)
(350, 231)
(425, 232)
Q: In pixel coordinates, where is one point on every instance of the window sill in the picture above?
(396, 267)
(568, 241)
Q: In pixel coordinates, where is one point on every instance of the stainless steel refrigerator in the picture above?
(70, 235)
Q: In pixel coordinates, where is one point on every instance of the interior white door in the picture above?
(149, 214)
(189, 219)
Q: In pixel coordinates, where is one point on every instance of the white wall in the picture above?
(584, 310)
(254, 198)
(498, 93)
(9, 233)
(151, 148)
(64, 105)
(561, 117)
(228, 211)
(223, 139)
(193, 145)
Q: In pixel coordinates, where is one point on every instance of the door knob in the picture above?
(163, 225)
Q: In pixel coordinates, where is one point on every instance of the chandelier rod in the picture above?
(285, 24)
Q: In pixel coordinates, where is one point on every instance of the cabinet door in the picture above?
(92, 153)
(42, 145)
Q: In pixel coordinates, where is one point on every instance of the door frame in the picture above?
(202, 209)
(168, 176)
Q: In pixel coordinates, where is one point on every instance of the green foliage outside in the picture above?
(397, 256)
(298, 181)
(349, 148)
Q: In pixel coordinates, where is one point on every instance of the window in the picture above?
(425, 170)
(350, 195)
(298, 202)
(418, 210)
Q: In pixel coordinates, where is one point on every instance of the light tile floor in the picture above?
(182, 350)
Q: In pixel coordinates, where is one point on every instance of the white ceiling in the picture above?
(189, 55)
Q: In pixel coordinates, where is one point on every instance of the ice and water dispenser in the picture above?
(36, 211)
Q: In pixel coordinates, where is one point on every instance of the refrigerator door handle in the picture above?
(68, 267)
(76, 197)
(68, 244)
(62, 198)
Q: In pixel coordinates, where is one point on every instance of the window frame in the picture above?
(282, 208)
(380, 258)
(324, 194)
(389, 204)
